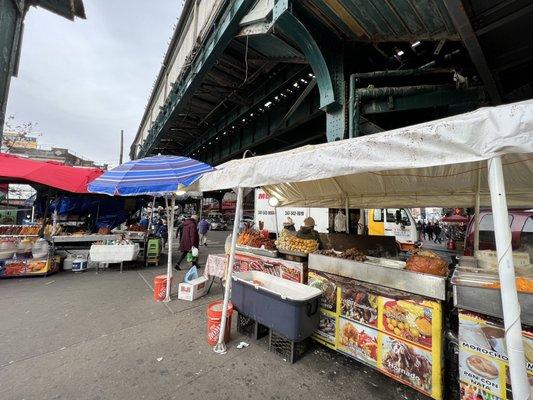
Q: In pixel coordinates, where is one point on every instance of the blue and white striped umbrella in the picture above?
(154, 176)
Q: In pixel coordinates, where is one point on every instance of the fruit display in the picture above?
(408, 320)
(289, 242)
(427, 262)
(253, 238)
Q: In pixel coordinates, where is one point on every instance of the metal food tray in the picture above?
(85, 238)
(426, 285)
(257, 251)
(488, 301)
(293, 253)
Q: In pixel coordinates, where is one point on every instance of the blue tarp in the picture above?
(106, 212)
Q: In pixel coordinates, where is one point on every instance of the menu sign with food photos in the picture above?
(483, 359)
(400, 334)
(290, 270)
(359, 341)
(328, 286)
(407, 363)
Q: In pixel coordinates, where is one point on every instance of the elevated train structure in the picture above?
(271, 75)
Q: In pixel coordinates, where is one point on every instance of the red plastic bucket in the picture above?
(160, 287)
(214, 315)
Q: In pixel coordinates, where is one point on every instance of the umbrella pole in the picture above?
(170, 231)
(221, 346)
(510, 305)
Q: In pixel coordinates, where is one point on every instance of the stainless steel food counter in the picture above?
(83, 239)
(412, 282)
(489, 302)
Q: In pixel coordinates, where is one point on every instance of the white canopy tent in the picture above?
(448, 162)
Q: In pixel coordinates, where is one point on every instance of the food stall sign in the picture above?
(266, 213)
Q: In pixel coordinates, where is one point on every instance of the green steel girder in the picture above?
(267, 91)
(11, 26)
(265, 128)
(437, 97)
(183, 90)
(394, 99)
(292, 27)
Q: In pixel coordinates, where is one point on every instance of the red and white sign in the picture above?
(266, 213)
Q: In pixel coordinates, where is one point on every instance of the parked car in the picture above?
(218, 224)
(521, 223)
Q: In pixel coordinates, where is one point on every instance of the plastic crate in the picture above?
(289, 350)
(250, 327)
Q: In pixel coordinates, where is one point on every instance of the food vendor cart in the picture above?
(486, 154)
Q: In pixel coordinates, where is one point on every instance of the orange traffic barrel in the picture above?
(160, 287)
(214, 316)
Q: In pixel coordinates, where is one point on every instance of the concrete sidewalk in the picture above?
(88, 336)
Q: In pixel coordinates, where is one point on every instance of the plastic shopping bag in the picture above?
(190, 257)
(190, 275)
(194, 251)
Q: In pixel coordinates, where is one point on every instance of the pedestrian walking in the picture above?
(189, 239)
(437, 230)
(430, 230)
(203, 228)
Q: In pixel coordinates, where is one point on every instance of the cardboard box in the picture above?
(193, 290)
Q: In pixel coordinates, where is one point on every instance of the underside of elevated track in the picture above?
(272, 75)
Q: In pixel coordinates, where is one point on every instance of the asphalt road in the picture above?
(88, 336)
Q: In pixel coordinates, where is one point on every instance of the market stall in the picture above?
(164, 176)
(25, 250)
(449, 162)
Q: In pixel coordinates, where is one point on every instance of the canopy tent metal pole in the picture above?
(170, 230)
(476, 211)
(151, 221)
(347, 206)
(510, 305)
(220, 347)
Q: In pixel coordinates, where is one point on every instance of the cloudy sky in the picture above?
(82, 82)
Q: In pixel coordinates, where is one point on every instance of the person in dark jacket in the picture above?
(307, 231)
(189, 239)
(203, 228)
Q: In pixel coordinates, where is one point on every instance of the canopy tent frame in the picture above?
(505, 131)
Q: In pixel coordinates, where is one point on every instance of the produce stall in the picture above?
(484, 157)
(22, 253)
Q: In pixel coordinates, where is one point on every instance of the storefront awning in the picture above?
(434, 163)
(15, 169)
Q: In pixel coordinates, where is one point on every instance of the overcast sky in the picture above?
(84, 81)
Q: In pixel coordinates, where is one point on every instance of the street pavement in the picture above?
(101, 336)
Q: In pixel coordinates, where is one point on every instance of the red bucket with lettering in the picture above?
(214, 316)
(160, 287)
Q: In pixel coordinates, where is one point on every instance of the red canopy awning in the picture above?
(15, 169)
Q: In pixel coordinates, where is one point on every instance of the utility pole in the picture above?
(121, 146)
